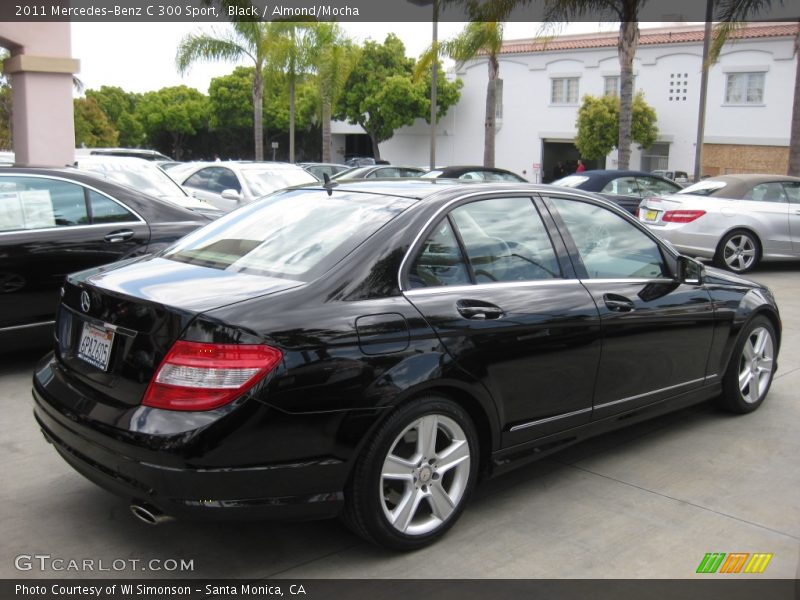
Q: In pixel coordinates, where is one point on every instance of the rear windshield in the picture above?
(295, 234)
(707, 187)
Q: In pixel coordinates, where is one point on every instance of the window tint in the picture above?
(621, 186)
(792, 189)
(440, 261)
(609, 246)
(767, 192)
(36, 203)
(105, 210)
(505, 240)
(650, 186)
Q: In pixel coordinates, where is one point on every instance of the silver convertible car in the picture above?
(736, 220)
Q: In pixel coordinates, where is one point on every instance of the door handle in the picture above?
(478, 310)
(119, 236)
(618, 303)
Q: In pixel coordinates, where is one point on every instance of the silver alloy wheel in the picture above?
(739, 253)
(425, 474)
(756, 364)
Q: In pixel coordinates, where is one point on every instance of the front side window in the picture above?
(38, 203)
(621, 186)
(609, 246)
(564, 90)
(505, 240)
(744, 88)
(792, 189)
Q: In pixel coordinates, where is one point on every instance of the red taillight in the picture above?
(200, 376)
(682, 216)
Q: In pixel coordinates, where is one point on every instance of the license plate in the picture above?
(95, 346)
(650, 215)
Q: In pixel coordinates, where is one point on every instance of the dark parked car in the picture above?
(56, 221)
(319, 170)
(378, 172)
(474, 173)
(375, 348)
(626, 188)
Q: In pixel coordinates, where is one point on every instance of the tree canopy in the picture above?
(381, 94)
(93, 129)
(179, 111)
(598, 125)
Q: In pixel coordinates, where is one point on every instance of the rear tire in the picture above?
(739, 251)
(752, 366)
(411, 482)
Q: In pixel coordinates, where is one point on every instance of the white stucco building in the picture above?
(749, 107)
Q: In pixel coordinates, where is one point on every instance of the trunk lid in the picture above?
(115, 325)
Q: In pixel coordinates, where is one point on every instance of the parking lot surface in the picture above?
(644, 502)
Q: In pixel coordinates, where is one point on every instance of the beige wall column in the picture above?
(41, 73)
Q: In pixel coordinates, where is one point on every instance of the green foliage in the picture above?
(120, 108)
(180, 111)
(382, 95)
(92, 127)
(598, 125)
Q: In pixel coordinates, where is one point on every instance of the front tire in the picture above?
(751, 368)
(411, 482)
(739, 251)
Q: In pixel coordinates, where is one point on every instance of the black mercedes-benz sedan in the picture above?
(57, 221)
(373, 349)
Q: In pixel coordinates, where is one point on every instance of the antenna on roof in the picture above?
(328, 184)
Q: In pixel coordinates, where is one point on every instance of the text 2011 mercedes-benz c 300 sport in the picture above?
(373, 349)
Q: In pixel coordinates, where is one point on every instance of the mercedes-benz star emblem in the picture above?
(86, 304)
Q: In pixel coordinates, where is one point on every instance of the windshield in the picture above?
(707, 187)
(293, 234)
(571, 181)
(142, 176)
(263, 181)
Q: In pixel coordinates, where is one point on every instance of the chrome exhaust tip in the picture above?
(148, 514)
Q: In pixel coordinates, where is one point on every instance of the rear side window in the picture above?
(766, 192)
(505, 240)
(609, 246)
(105, 210)
(294, 234)
(440, 262)
(39, 203)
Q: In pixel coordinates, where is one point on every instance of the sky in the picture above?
(140, 57)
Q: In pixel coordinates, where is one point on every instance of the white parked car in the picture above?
(736, 220)
(228, 185)
(146, 177)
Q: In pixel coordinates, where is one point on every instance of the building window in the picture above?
(498, 98)
(744, 88)
(564, 90)
(678, 87)
(611, 85)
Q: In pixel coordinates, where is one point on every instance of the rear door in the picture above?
(48, 229)
(657, 330)
(503, 299)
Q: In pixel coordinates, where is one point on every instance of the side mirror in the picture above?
(690, 270)
(231, 195)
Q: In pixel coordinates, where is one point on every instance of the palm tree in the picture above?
(732, 15)
(334, 58)
(243, 40)
(627, 13)
(292, 53)
(478, 38)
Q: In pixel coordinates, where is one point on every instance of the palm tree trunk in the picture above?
(628, 42)
(326, 130)
(794, 138)
(291, 117)
(258, 113)
(491, 111)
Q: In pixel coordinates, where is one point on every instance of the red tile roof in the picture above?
(647, 37)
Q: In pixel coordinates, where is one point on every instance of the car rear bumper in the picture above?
(305, 488)
(687, 242)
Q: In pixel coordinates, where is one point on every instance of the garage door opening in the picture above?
(560, 158)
